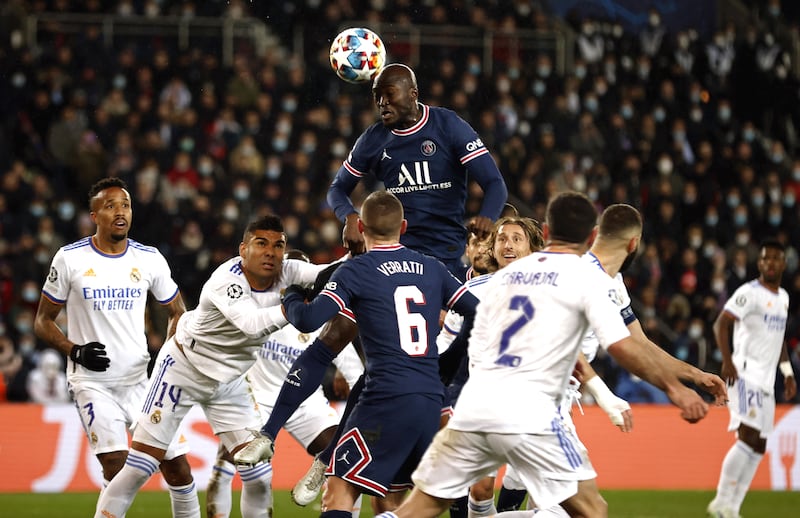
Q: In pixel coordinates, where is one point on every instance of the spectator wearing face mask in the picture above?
(47, 383)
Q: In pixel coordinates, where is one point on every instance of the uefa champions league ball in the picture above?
(357, 55)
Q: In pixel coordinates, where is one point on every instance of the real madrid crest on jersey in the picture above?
(303, 337)
(428, 148)
(53, 275)
(155, 417)
(136, 275)
(235, 291)
(615, 297)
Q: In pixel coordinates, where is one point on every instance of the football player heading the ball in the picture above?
(425, 156)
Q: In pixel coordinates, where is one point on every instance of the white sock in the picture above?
(386, 515)
(218, 497)
(118, 495)
(735, 462)
(748, 471)
(256, 499)
(357, 507)
(185, 503)
(518, 514)
(480, 508)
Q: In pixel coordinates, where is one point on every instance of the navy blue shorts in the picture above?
(384, 441)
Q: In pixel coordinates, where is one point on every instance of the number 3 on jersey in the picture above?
(522, 303)
(412, 328)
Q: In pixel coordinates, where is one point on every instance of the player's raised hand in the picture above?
(789, 388)
(351, 237)
(481, 226)
(93, 356)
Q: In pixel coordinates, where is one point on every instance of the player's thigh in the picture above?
(310, 420)
(104, 415)
(233, 413)
(549, 465)
(751, 406)
(382, 442)
(174, 388)
(454, 461)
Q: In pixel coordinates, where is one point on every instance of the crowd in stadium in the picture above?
(698, 131)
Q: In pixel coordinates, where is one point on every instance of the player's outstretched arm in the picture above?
(711, 383)
(307, 317)
(634, 358)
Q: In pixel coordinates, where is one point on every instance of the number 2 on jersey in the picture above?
(522, 303)
(412, 328)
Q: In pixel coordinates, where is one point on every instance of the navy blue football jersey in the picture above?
(396, 295)
(426, 166)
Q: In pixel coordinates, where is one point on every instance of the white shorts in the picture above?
(108, 412)
(750, 405)
(176, 386)
(550, 465)
(313, 417)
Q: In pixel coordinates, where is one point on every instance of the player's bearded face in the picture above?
(113, 213)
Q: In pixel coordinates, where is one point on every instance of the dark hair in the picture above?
(382, 214)
(618, 219)
(104, 184)
(772, 242)
(571, 216)
(268, 222)
(294, 253)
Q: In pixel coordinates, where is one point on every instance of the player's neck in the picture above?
(771, 286)
(562, 247)
(369, 244)
(108, 245)
(609, 260)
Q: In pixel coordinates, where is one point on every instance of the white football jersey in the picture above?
(525, 342)
(279, 352)
(222, 335)
(758, 332)
(452, 320)
(622, 299)
(105, 297)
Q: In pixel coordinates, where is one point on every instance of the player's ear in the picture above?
(403, 226)
(545, 233)
(360, 226)
(592, 237)
(633, 244)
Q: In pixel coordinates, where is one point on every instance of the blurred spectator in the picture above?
(47, 383)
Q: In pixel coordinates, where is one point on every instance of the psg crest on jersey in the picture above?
(428, 148)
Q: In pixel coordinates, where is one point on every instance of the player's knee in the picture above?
(483, 489)
(338, 332)
(321, 441)
(112, 462)
(177, 471)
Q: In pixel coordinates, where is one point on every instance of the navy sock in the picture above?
(336, 514)
(510, 499)
(304, 377)
(459, 507)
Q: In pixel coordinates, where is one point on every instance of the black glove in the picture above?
(92, 356)
(294, 289)
(322, 279)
